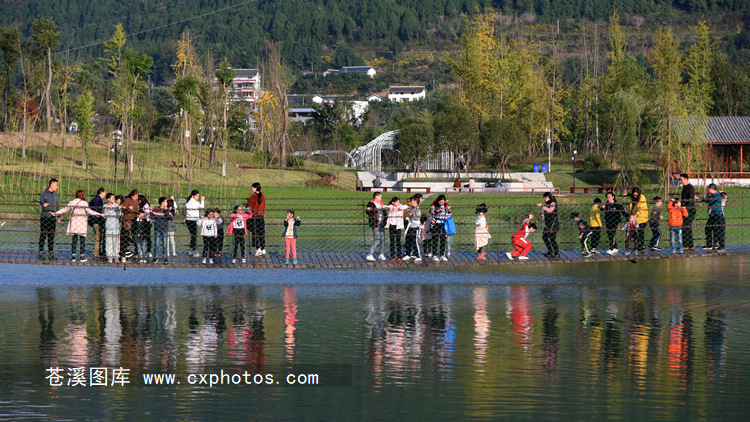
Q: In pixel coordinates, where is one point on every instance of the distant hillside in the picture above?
(312, 29)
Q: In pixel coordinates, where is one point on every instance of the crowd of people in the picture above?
(130, 227)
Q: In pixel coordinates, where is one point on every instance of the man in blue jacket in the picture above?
(716, 223)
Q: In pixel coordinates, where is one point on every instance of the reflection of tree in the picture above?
(551, 335)
(637, 334)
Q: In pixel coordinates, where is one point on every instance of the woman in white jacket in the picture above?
(78, 224)
(193, 206)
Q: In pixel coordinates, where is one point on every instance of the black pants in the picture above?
(258, 227)
(687, 229)
(612, 236)
(655, 234)
(549, 236)
(437, 239)
(47, 228)
(220, 243)
(412, 242)
(239, 242)
(193, 229)
(715, 227)
(78, 240)
(396, 249)
(209, 246)
(596, 234)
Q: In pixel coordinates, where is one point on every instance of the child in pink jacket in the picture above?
(238, 226)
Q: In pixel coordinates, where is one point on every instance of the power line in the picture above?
(213, 12)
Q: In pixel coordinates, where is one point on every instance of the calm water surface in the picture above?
(666, 340)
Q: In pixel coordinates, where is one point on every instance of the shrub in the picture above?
(593, 162)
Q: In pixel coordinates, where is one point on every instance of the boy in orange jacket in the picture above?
(676, 213)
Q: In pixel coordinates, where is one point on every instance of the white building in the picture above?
(246, 86)
(398, 94)
(368, 70)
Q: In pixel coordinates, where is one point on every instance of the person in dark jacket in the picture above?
(161, 217)
(50, 202)
(613, 214)
(715, 226)
(376, 221)
(141, 230)
(584, 234)
(97, 223)
(687, 198)
(550, 213)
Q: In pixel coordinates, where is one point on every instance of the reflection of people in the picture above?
(376, 183)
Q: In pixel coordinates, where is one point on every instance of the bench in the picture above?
(408, 189)
(599, 189)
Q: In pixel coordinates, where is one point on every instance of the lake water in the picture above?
(663, 339)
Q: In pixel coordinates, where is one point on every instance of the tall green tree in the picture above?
(10, 45)
(45, 35)
(503, 140)
(698, 66)
(415, 141)
(225, 75)
(455, 131)
(84, 110)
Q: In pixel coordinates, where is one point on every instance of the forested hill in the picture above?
(308, 29)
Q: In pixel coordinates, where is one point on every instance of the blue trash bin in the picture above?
(545, 169)
(536, 167)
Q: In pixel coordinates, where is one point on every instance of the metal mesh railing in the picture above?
(336, 231)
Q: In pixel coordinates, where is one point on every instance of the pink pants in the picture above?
(291, 244)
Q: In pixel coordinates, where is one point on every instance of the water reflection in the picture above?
(545, 341)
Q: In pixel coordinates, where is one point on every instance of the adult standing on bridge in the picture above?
(639, 208)
(130, 207)
(613, 213)
(687, 198)
(78, 224)
(716, 222)
(257, 204)
(550, 213)
(50, 202)
(97, 223)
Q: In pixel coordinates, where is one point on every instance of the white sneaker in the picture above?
(382, 257)
(258, 252)
(124, 260)
(196, 255)
(234, 261)
(244, 261)
(508, 255)
(417, 260)
(444, 258)
(406, 258)
(370, 258)
(522, 257)
(210, 261)
(435, 258)
(142, 261)
(262, 251)
(204, 261)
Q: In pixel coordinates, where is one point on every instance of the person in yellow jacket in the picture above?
(595, 222)
(639, 208)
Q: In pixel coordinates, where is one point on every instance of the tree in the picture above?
(346, 56)
(10, 45)
(415, 141)
(698, 65)
(455, 131)
(45, 35)
(84, 110)
(629, 106)
(225, 76)
(503, 140)
(186, 90)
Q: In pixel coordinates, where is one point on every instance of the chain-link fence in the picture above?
(336, 231)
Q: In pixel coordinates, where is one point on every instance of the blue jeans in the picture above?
(676, 232)
(378, 237)
(160, 243)
(141, 243)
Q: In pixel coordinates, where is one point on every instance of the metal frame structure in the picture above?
(368, 157)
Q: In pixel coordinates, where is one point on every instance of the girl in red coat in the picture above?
(519, 242)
